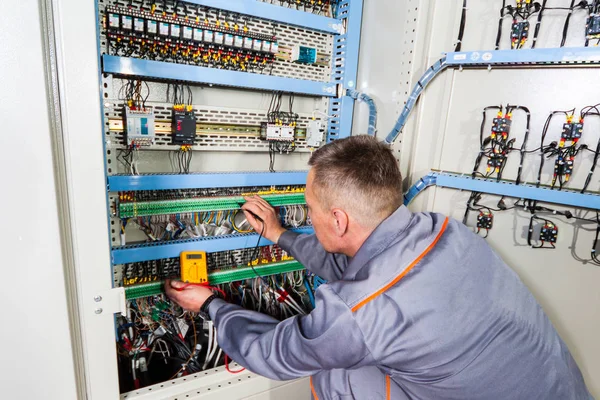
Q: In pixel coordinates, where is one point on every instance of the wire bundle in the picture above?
(319, 7)
(158, 341)
(277, 117)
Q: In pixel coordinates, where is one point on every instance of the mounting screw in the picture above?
(98, 311)
(97, 299)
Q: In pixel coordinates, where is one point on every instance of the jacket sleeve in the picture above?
(309, 252)
(327, 338)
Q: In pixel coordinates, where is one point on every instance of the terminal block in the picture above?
(187, 40)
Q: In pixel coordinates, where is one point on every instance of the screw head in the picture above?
(97, 298)
(98, 311)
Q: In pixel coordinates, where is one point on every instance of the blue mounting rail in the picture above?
(126, 66)
(122, 183)
(157, 251)
(498, 59)
(509, 189)
(346, 47)
(547, 57)
(276, 13)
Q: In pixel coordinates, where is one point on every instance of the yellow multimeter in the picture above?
(193, 267)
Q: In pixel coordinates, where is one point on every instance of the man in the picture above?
(417, 306)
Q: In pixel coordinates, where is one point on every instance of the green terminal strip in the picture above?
(219, 277)
(147, 208)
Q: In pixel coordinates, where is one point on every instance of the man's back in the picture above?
(458, 323)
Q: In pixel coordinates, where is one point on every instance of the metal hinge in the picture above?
(111, 301)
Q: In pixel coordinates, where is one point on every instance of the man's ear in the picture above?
(341, 222)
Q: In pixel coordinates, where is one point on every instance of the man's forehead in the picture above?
(309, 185)
(310, 179)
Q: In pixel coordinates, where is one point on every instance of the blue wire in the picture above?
(311, 297)
(318, 281)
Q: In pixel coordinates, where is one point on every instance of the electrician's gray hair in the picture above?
(360, 175)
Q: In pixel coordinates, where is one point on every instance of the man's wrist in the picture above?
(204, 308)
(275, 237)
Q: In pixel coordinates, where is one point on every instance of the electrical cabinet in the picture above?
(185, 90)
(172, 111)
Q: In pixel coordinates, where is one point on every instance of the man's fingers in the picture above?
(256, 224)
(249, 217)
(263, 202)
(170, 290)
(177, 285)
(256, 209)
(260, 202)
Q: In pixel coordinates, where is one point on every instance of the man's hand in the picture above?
(190, 298)
(268, 224)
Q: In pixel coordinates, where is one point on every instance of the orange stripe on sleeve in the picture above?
(403, 273)
(388, 388)
(312, 389)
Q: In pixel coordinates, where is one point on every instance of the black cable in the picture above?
(538, 24)
(543, 137)
(502, 15)
(595, 243)
(525, 138)
(566, 26)
(530, 232)
(461, 29)
(591, 172)
(256, 252)
(481, 140)
(271, 157)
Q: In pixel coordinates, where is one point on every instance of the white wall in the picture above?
(36, 345)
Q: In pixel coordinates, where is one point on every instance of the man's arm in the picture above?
(304, 248)
(327, 338)
(309, 252)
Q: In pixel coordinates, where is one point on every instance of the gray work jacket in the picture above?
(425, 310)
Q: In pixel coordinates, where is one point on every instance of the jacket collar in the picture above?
(382, 237)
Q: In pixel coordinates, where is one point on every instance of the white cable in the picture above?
(321, 113)
(294, 306)
(129, 321)
(215, 344)
(208, 349)
(133, 368)
(293, 303)
(218, 357)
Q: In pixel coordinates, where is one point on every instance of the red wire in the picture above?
(206, 285)
(227, 366)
